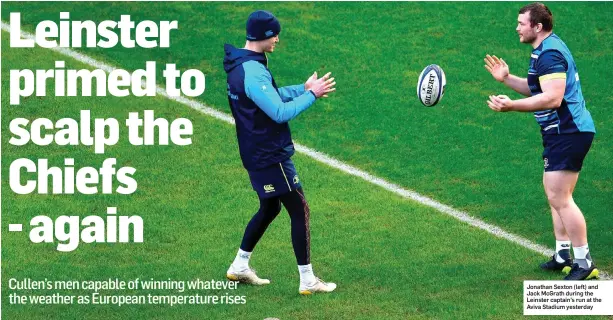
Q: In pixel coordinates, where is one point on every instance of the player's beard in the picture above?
(527, 38)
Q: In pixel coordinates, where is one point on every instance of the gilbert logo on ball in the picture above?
(431, 85)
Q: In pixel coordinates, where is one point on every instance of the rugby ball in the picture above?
(431, 85)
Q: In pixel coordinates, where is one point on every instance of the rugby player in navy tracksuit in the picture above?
(261, 111)
(554, 95)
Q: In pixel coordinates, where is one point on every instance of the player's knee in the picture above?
(271, 210)
(277, 208)
(270, 207)
(558, 200)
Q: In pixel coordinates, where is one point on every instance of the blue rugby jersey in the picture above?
(260, 109)
(552, 60)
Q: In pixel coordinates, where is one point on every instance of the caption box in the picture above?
(568, 297)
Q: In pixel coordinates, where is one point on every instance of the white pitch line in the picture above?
(324, 158)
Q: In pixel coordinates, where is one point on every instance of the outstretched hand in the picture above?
(309, 83)
(322, 86)
(497, 67)
(500, 103)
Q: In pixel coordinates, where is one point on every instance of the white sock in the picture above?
(241, 262)
(582, 256)
(562, 245)
(306, 274)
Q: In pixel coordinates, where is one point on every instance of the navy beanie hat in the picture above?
(262, 25)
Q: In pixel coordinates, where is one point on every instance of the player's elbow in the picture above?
(279, 118)
(554, 101)
(282, 114)
(275, 112)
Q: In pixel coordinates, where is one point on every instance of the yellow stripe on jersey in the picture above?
(551, 76)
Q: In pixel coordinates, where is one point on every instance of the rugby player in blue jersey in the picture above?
(554, 96)
(261, 110)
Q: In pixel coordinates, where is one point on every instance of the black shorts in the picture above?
(275, 180)
(566, 151)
